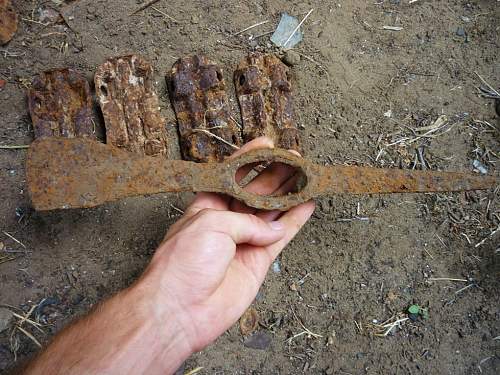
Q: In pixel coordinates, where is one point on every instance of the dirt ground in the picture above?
(358, 90)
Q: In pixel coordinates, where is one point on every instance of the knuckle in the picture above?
(254, 220)
(205, 216)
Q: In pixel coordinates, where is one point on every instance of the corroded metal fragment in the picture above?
(60, 105)
(124, 89)
(265, 96)
(197, 89)
(75, 173)
(8, 21)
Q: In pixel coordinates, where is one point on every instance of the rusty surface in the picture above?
(265, 96)
(60, 105)
(197, 91)
(249, 321)
(8, 21)
(125, 92)
(76, 173)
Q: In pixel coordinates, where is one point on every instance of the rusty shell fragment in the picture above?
(197, 91)
(60, 105)
(125, 92)
(265, 96)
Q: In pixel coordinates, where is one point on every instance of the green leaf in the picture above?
(414, 309)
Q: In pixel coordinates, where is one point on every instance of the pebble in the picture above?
(259, 340)
(460, 31)
(49, 15)
(291, 58)
(5, 318)
(195, 19)
(276, 266)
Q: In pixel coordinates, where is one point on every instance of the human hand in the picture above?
(214, 259)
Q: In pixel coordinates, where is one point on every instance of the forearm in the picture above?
(123, 335)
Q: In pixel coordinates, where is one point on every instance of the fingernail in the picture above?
(276, 225)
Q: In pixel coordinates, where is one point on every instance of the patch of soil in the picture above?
(358, 88)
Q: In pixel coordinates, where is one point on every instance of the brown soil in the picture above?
(357, 271)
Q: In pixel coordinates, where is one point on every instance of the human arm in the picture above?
(201, 279)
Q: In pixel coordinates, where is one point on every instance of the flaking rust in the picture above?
(60, 105)
(73, 173)
(8, 21)
(265, 97)
(197, 90)
(124, 89)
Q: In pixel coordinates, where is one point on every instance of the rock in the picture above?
(259, 340)
(195, 19)
(291, 58)
(5, 318)
(276, 266)
(460, 31)
(49, 15)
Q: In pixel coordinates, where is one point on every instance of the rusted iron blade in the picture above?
(265, 96)
(8, 21)
(78, 173)
(197, 91)
(124, 88)
(60, 105)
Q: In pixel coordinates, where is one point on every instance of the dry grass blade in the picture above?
(14, 147)
(385, 328)
(298, 27)
(216, 137)
(29, 335)
(14, 239)
(250, 27)
(491, 92)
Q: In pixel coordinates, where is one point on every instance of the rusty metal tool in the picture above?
(78, 173)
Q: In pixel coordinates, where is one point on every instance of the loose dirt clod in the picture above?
(8, 21)
(124, 89)
(60, 105)
(265, 97)
(207, 131)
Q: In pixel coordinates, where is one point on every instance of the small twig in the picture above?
(464, 288)
(392, 28)
(194, 371)
(35, 21)
(147, 5)
(13, 147)
(446, 279)
(216, 137)
(14, 239)
(250, 27)
(485, 239)
(488, 85)
(298, 27)
(177, 209)
(29, 335)
(6, 259)
(165, 14)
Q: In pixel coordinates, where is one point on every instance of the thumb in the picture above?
(242, 228)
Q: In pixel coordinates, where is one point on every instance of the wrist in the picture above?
(160, 324)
